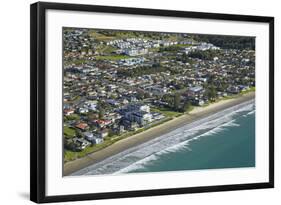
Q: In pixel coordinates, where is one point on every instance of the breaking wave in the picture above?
(138, 157)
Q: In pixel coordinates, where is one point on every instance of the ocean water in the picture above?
(223, 140)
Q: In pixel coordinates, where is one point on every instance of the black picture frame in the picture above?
(38, 101)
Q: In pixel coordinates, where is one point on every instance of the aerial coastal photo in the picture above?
(143, 101)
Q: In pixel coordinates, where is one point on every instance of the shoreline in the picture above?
(154, 132)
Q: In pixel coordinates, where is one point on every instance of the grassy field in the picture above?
(190, 108)
(100, 36)
(73, 117)
(167, 112)
(117, 35)
(69, 132)
(251, 89)
(107, 49)
(112, 57)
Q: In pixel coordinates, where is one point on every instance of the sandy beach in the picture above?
(119, 146)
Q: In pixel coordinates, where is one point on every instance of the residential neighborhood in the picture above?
(119, 83)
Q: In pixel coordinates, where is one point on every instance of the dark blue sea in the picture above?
(223, 140)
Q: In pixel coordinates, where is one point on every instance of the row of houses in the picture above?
(200, 47)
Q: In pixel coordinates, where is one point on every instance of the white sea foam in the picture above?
(138, 165)
(137, 157)
(250, 113)
(175, 148)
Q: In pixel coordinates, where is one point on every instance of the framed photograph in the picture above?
(129, 102)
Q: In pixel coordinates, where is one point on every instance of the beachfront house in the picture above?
(103, 133)
(88, 135)
(129, 125)
(157, 116)
(141, 117)
(233, 89)
(93, 138)
(198, 102)
(97, 140)
(118, 129)
(195, 91)
(138, 113)
(80, 143)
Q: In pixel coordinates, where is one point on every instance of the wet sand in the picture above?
(119, 146)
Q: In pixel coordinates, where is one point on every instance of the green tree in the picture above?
(211, 93)
(186, 106)
(176, 101)
(69, 144)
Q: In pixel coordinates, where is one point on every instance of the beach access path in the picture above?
(132, 141)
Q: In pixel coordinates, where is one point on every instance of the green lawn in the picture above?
(111, 57)
(69, 132)
(107, 49)
(190, 108)
(101, 37)
(73, 117)
(251, 89)
(167, 112)
(71, 155)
